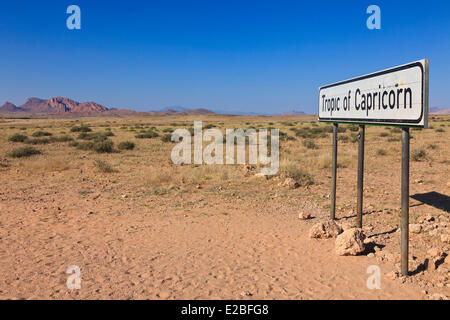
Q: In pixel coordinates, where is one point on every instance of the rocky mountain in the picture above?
(60, 105)
(66, 106)
(9, 107)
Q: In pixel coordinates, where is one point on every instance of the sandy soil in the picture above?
(235, 238)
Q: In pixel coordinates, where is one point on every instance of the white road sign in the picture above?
(397, 96)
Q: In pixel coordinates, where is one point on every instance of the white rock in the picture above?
(327, 229)
(304, 215)
(350, 242)
(415, 228)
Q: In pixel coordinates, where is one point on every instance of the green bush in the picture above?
(344, 138)
(103, 146)
(61, 139)
(96, 136)
(166, 138)
(81, 128)
(17, 137)
(310, 144)
(41, 134)
(126, 145)
(381, 152)
(37, 141)
(418, 154)
(147, 135)
(23, 152)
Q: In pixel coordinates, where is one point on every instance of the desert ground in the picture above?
(140, 227)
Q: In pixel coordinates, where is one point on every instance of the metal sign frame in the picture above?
(405, 124)
(424, 67)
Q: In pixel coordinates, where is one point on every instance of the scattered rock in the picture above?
(164, 294)
(91, 212)
(327, 229)
(429, 218)
(291, 183)
(350, 242)
(304, 215)
(347, 225)
(445, 238)
(371, 255)
(415, 228)
(438, 296)
(392, 275)
(246, 294)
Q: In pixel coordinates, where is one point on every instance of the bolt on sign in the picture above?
(397, 96)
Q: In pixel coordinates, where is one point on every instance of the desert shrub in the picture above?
(37, 141)
(418, 154)
(291, 169)
(354, 137)
(108, 133)
(61, 139)
(41, 134)
(167, 130)
(85, 145)
(23, 152)
(210, 126)
(344, 138)
(105, 146)
(440, 130)
(384, 134)
(432, 146)
(381, 152)
(342, 129)
(311, 133)
(166, 138)
(147, 135)
(126, 145)
(17, 137)
(310, 144)
(104, 166)
(396, 130)
(81, 128)
(95, 136)
(353, 128)
(394, 139)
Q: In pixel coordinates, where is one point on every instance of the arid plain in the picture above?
(102, 193)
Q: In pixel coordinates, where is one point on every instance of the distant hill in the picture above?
(435, 110)
(57, 105)
(292, 113)
(9, 107)
(66, 106)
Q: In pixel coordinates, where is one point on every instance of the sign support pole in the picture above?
(360, 182)
(405, 202)
(333, 172)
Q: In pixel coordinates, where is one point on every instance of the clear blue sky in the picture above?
(257, 56)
